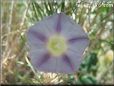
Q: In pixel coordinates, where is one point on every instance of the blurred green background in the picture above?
(96, 18)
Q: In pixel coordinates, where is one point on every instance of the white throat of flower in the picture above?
(57, 45)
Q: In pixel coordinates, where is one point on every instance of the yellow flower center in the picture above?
(57, 45)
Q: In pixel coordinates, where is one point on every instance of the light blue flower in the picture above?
(56, 44)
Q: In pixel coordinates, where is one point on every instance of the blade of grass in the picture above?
(35, 11)
(62, 5)
(39, 10)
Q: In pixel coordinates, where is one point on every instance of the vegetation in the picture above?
(96, 18)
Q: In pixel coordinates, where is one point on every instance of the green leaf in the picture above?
(87, 79)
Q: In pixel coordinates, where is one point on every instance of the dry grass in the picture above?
(17, 16)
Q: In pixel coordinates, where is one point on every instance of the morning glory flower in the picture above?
(56, 44)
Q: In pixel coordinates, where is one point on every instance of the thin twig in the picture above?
(24, 16)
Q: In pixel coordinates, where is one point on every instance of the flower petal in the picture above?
(75, 39)
(69, 28)
(37, 35)
(75, 59)
(58, 27)
(64, 65)
(43, 29)
(68, 61)
(44, 59)
(52, 24)
(34, 42)
(40, 28)
(78, 46)
(49, 65)
(35, 56)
